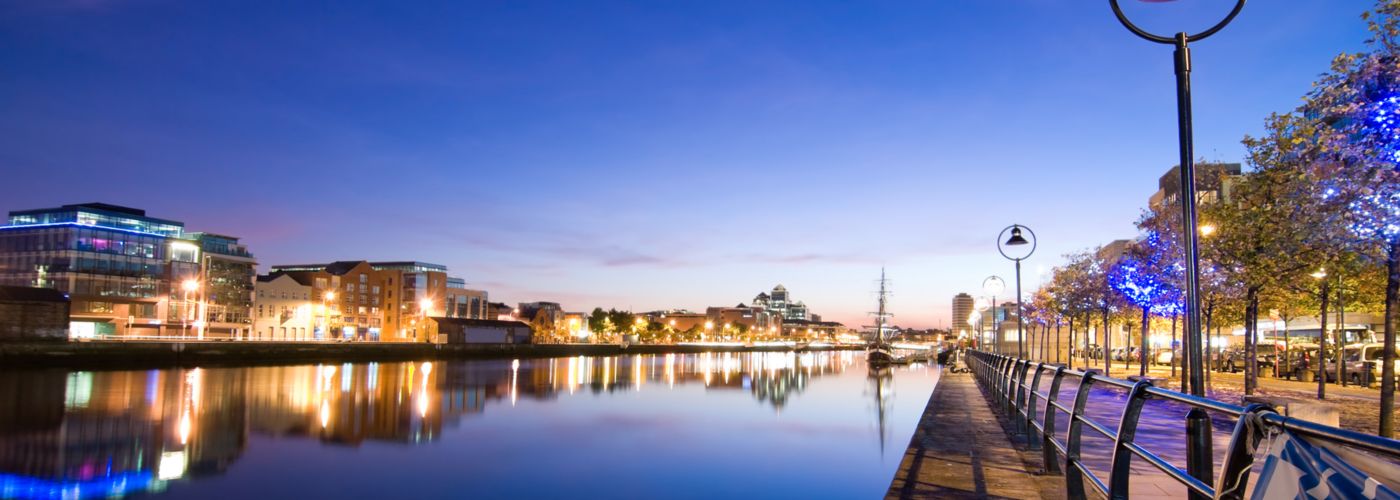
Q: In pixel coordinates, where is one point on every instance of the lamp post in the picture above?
(1017, 240)
(1182, 58)
(994, 285)
(974, 321)
(423, 306)
(188, 286)
(981, 305)
(1322, 289)
(326, 297)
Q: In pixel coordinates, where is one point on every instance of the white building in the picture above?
(282, 310)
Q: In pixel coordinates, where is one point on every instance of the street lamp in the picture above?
(994, 285)
(979, 307)
(1018, 242)
(424, 305)
(1182, 58)
(188, 286)
(326, 298)
(1321, 276)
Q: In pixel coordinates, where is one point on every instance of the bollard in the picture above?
(1199, 456)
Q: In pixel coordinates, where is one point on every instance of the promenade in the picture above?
(961, 450)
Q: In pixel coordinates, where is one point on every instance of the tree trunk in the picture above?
(1251, 333)
(1071, 343)
(1142, 364)
(1392, 303)
(1205, 334)
(1322, 346)
(1107, 356)
(1180, 355)
(1088, 319)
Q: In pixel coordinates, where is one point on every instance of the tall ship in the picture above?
(879, 352)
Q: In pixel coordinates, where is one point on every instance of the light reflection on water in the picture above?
(694, 425)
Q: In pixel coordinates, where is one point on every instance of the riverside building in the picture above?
(376, 301)
(129, 274)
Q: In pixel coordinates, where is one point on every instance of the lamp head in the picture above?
(1016, 238)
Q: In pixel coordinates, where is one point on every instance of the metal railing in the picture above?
(1005, 378)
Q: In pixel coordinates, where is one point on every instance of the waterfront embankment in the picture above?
(145, 354)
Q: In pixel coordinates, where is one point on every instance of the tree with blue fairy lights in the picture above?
(1349, 131)
(1145, 278)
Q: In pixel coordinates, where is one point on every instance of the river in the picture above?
(773, 425)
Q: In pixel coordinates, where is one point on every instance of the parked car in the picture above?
(1234, 360)
(1165, 357)
(1298, 362)
(1364, 363)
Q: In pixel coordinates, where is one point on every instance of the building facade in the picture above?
(28, 313)
(228, 271)
(463, 302)
(284, 310)
(386, 301)
(963, 305)
(1213, 181)
(779, 302)
(126, 273)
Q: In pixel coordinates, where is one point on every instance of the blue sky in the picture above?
(641, 154)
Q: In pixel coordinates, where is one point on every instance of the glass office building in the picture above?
(121, 268)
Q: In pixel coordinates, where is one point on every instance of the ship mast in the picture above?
(880, 315)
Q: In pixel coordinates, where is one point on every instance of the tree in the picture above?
(1259, 241)
(1146, 277)
(1350, 117)
(598, 321)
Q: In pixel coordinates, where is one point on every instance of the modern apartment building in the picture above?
(779, 302)
(463, 302)
(962, 308)
(388, 301)
(128, 273)
(1213, 181)
(228, 272)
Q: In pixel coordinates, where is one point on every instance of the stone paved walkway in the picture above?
(961, 450)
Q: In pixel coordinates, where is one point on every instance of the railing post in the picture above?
(1031, 438)
(1127, 430)
(1003, 380)
(1020, 395)
(1047, 437)
(1239, 457)
(1074, 472)
(1013, 387)
(1199, 455)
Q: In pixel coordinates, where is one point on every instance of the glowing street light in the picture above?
(424, 305)
(1321, 276)
(189, 286)
(1207, 230)
(326, 298)
(994, 285)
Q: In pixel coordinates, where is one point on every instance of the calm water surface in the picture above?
(682, 426)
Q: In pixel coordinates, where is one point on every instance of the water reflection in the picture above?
(85, 434)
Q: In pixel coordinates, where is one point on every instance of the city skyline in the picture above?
(618, 156)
